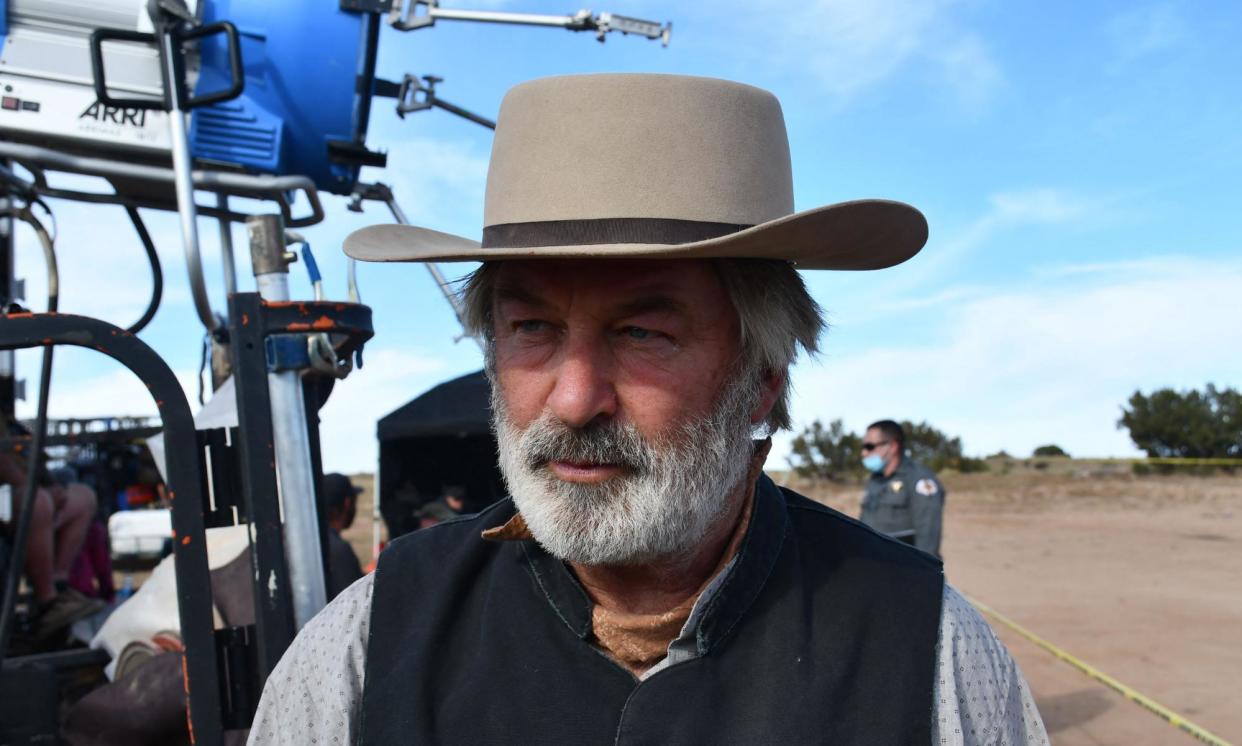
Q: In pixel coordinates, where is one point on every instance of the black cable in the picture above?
(157, 273)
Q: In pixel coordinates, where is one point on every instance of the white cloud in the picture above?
(1139, 32)
(1052, 363)
(390, 378)
(110, 390)
(853, 45)
(1006, 211)
(970, 70)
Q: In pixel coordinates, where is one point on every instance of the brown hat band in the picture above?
(604, 231)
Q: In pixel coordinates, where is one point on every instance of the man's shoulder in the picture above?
(820, 527)
(917, 469)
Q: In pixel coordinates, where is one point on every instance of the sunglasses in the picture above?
(869, 447)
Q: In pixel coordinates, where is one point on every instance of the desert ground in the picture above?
(1139, 576)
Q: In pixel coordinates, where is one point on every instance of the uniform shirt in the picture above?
(314, 695)
(907, 505)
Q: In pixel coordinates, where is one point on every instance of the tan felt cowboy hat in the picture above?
(651, 166)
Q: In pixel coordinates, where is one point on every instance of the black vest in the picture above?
(823, 632)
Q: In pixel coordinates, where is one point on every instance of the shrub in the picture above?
(1050, 450)
(827, 453)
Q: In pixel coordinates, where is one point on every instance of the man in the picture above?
(340, 498)
(646, 583)
(903, 498)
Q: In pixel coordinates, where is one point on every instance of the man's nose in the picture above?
(584, 387)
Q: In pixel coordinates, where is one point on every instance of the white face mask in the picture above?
(671, 490)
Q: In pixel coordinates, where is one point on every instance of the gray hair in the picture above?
(775, 312)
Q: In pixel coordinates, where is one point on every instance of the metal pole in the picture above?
(226, 246)
(294, 470)
(488, 16)
(183, 179)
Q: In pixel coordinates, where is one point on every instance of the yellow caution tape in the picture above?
(1191, 461)
(1172, 718)
(1151, 461)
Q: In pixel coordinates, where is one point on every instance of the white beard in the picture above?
(671, 491)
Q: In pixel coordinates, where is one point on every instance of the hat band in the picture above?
(604, 231)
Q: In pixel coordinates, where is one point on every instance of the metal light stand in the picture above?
(270, 258)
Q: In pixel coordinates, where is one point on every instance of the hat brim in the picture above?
(857, 235)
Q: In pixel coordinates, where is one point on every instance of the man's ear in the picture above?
(771, 385)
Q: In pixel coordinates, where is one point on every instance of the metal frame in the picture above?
(154, 180)
(404, 16)
(228, 667)
(251, 321)
(185, 483)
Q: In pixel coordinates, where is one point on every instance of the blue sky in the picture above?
(1077, 162)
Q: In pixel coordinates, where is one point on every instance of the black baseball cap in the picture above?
(337, 487)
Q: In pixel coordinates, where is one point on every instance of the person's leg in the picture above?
(39, 547)
(73, 517)
(72, 509)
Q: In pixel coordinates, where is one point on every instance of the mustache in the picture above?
(547, 439)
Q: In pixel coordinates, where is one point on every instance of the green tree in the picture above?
(937, 450)
(1185, 424)
(827, 453)
(1050, 450)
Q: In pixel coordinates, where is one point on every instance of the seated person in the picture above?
(59, 519)
(448, 507)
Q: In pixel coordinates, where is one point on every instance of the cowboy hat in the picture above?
(651, 166)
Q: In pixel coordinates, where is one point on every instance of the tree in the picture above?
(827, 453)
(936, 450)
(1050, 450)
(1185, 424)
(832, 453)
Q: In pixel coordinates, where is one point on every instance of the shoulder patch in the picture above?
(926, 487)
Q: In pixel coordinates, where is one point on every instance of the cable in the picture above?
(51, 216)
(157, 273)
(49, 252)
(202, 365)
(312, 269)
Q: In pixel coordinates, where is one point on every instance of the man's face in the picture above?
(622, 415)
(875, 443)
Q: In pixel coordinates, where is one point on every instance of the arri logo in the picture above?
(115, 115)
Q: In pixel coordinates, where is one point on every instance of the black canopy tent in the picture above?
(440, 439)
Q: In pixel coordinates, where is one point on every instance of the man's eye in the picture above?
(637, 332)
(530, 326)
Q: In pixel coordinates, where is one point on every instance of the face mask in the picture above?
(873, 463)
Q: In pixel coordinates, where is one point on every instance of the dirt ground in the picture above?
(1138, 576)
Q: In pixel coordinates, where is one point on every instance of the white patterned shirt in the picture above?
(314, 696)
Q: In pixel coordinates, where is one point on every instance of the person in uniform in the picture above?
(902, 498)
(639, 308)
